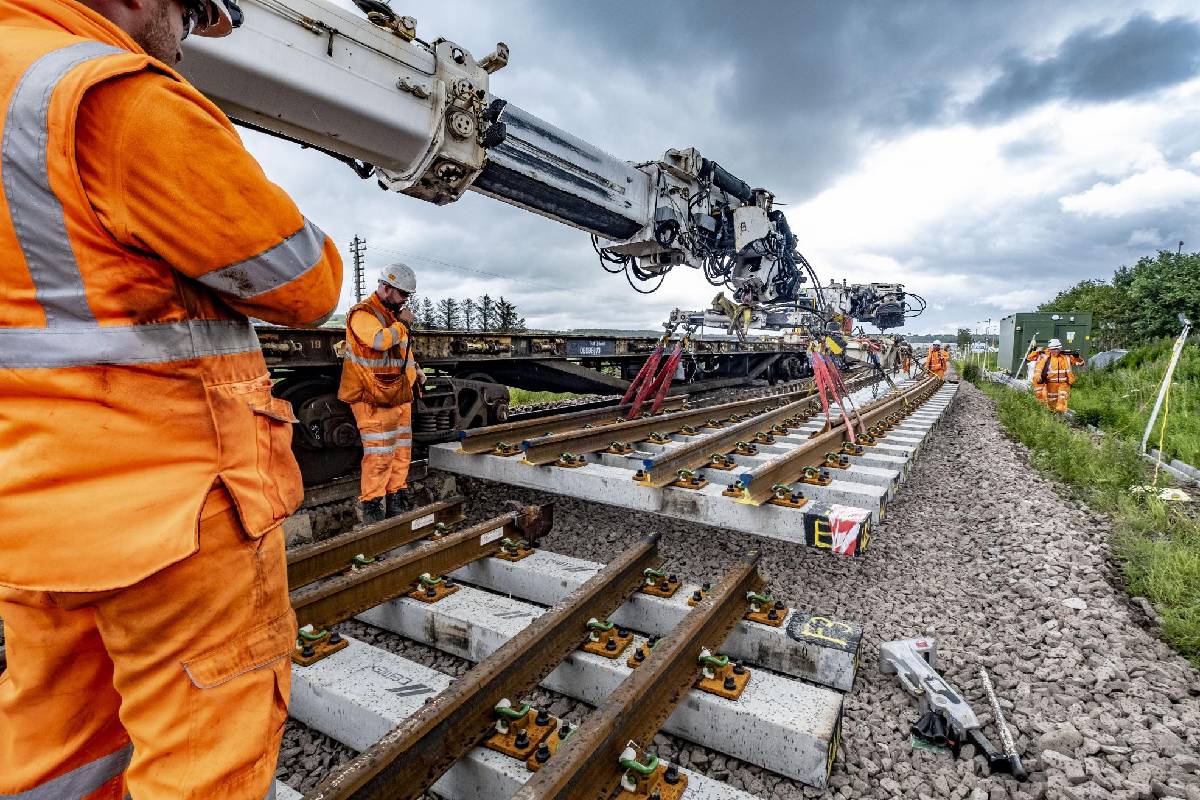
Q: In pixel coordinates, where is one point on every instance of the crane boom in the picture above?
(422, 119)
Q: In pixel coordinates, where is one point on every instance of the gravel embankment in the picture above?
(979, 552)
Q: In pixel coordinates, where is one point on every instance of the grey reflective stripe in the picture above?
(380, 340)
(378, 437)
(366, 362)
(37, 215)
(402, 443)
(278, 266)
(270, 795)
(81, 346)
(81, 781)
(380, 450)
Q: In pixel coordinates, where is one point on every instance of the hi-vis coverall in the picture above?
(146, 464)
(936, 362)
(377, 378)
(1052, 379)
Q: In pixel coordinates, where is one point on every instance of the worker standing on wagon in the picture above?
(378, 376)
(147, 466)
(1053, 377)
(937, 361)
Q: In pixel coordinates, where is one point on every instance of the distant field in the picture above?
(524, 397)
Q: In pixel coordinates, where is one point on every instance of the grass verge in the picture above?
(1156, 544)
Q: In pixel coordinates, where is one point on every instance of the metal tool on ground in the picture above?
(1015, 767)
(331, 556)
(945, 719)
(592, 762)
(329, 602)
(409, 759)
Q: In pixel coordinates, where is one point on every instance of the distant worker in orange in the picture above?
(147, 466)
(937, 361)
(378, 375)
(1052, 376)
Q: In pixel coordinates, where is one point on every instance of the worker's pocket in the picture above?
(238, 703)
(257, 465)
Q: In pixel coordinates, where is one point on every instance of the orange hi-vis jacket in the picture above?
(1049, 369)
(136, 235)
(936, 362)
(378, 367)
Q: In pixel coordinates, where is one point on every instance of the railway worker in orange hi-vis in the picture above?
(1052, 376)
(147, 467)
(379, 372)
(937, 361)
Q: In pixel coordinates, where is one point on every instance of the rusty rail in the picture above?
(484, 440)
(329, 602)
(587, 764)
(547, 449)
(322, 559)
(412, 756)
(789, 466)
(662, 469)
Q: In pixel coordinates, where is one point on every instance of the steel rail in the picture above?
(413, 755)
(329, 557)
(547, 449)
(484, 440)
(587, 763)
(663, 468)
(789, 466)
(329, 602)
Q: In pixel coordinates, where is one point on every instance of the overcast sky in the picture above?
(984, 154)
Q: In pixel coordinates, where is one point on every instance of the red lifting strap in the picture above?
(668, 374)
(644, 374)
(651, 385)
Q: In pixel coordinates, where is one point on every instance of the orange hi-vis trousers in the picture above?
(1055, 396)
(174, 687)
(386, 434)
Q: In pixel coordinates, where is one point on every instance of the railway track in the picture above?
(772, 465)
(625, 637)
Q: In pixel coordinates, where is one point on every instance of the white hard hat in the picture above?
(215, 18)
(937, 342)
(400, 276)
(1055, 343)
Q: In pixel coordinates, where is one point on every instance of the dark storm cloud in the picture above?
(1092, 66)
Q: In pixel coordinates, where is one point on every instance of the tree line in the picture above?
(1140, 303)
(471, 314)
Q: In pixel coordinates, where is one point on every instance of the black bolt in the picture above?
(739, 668)
(779, 605)
(522, 740)
(543, 753)
(564, 730)
(449, 584)
(706, 586)
(335, 637)
(526, 546)
(622, 632)
(671, 775)
(611, 644)
(663, 586)
(653, 640)
(697, 595)
(431, 592)
(730, 683)
(641, 473)
(640, 655)
(672, 579)
(542, 718)
(772, 614)
(307, 651)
